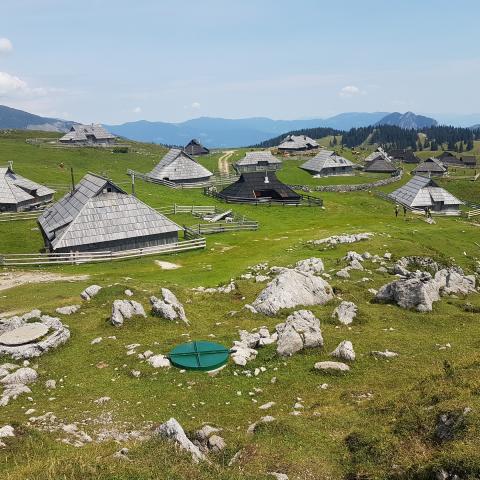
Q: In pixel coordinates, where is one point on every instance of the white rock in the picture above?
(173, 431)
(332, 367)
(343, 273)
(90, 292)
(310, 265)
(7, 431)
(346, 238)
(96, 340)
(159, 361)
(278, 476)
(102, 400)
(345, 312)
(128, 293)
(125, 309)
(22, 376)
(385, 354)
(253, 427)
(344, 351)
(168, 306)
(291, 288)
(68, 310)
(51, 384)
(267, 406)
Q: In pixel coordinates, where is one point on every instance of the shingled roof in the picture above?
(430, 166)
(255, 185)
(326, 159)
(422, 192)
(381, 164)
(98, 211)
(85, 133)
(15, 189)
(194, 147)
(378, 153)
(178, 166)
(260, 159)
(297, 142)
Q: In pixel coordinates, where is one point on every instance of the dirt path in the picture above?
(14, 279)
(223, 165)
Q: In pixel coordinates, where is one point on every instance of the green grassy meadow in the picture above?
(376, 422)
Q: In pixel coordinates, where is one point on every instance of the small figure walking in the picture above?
(429, 213)
(404, 211)
(397, 210)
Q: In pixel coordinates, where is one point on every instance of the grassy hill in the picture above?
(376, 422)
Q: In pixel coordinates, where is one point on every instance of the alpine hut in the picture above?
(254, 187)
(328, 163)
(88, 135)
(469, 161)
(422, 192)
(179, 167)
(18, 194)
(379, 162)
(448, 158)
(405, 156)
(430, 167)
(194, 147)
(258, 162)
(297, 143)
(97, 215)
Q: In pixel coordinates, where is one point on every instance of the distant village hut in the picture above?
(99, 216)
(297, 143)
(88, 135)
(179, 167)
(328, 163)
(448, 158)
(404, 155)
(431, 167)
(422, 192)
(380, 162)
(469, 161)
(258, 162)
(194, 147)
(259, 186)
(18, 194)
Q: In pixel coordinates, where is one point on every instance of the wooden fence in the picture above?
(216, 180)
(473, 213)
(192, 242)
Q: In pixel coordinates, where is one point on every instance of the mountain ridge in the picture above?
(12, 118)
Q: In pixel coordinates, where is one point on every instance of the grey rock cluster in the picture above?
(311, 265)
(346, 238)
(168, 307)
(54, 333)
(90, 292)
(229, 287)
(207, 439)
(245, 349)
(15, 381)
(124, 310)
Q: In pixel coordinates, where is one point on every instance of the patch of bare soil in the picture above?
(15, 279)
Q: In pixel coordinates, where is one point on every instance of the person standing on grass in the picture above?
(404, 211)
(397, 209)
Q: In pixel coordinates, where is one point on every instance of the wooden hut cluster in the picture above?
(98, 215)
(328, 163)
(422, 192)
(404, 155)
(88, 135)
(449, 159)
(297, 143)
(18, 194)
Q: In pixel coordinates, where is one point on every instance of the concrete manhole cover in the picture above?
(25, 334)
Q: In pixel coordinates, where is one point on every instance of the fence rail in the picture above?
(75, 258)
(473, 213)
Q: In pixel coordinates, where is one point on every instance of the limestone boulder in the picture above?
(124, 310)
(310, 265)
(168, 307)
(332, 367)
(345, 312)
(344, 351)
(90, 292)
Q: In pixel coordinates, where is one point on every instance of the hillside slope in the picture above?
(407, 120)
(11, 118)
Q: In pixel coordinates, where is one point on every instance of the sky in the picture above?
(114, 61)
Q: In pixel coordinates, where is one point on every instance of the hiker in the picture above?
(404, 211)
(397, 209)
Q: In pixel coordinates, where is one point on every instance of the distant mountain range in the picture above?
(218, 132)
(407, 120)
(18, 119)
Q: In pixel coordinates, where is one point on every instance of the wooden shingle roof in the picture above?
(177, 165)
(326, 159)
(431, 165)
(297, 142)
(194, 147)
(264, 157)
(81, 133)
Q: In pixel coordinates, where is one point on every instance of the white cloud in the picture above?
(137, 110)
(5, 45)
(12, 86)
(350, 91)
(195, 105)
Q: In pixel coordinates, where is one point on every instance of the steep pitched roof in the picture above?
(194, 147)
(297, 142)
(15, 189)
(469, 160)
(250, 184)
(263, 157)
(110, 217)
(62, 213)
(81, 133)
(381, 165)
(177, 165)
(422, 192)
(378, 153)
(431, 165)
(326, 159)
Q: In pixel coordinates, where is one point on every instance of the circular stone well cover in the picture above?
(28, 333)
(199, 355)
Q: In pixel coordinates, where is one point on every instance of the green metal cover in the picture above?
(199, 355)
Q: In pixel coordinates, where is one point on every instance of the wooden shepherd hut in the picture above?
(97, 215)
(258, 162)
(297, 143)
(18, 194)
(430, 167)
(194, 147)
(88, 135)
(328, 163)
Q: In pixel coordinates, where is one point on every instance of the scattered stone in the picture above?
(216, 443)
(159, 361)
(12, 392)
(346, 238)
(128, 293)
(253, 427)
(345, 312)
(122, 454)
(384, 354)
(343, 273)
(291, 288)
(241, 353)
(90, 292)
(96, 340)
(230, 287)
(22, 376)
(102, 400)
(135, 373)
(173, 431)
(166, 265)
(125, 309)
(356, 265)
(261, 278)
(344, 351)
(310, 265)
(51, 384)
(7, 431)
(267, 406)
(332, 367)
(168, 307)
(301, 330)
(278, 476)
(69, 310)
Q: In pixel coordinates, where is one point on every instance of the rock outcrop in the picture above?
(345, 312)
(290, 289)
(346, 238)
(344, 351)
(125, 309)
(310, 265)
(301, 330)
(332, 367)
(168, 307)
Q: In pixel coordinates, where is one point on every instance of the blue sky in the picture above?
(116, 61)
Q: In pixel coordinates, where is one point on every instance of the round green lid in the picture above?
(199, 355)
